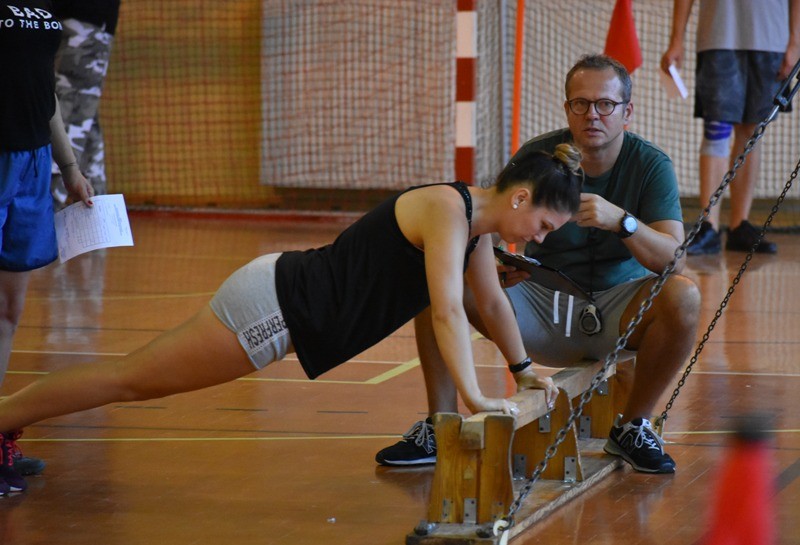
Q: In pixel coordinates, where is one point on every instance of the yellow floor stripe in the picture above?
(383, 377)
(399, 370)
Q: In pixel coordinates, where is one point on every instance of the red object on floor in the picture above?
(743, 510)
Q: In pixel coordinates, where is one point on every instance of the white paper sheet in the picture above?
(80, 229)
(673, 83)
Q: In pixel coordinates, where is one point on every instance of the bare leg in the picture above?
(13, 286)
(440, 387)
(712, 170)
(743, 186)
(663, 341)
(200, 353)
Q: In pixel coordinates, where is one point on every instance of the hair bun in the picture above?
(569, 155)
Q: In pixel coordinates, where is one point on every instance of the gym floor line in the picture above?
(275, 458)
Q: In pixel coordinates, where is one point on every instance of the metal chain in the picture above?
(610, 360)
(664, 415)
(612, 357)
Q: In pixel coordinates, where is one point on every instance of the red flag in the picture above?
(622, 43)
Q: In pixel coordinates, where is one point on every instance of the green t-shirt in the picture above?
(642, 182)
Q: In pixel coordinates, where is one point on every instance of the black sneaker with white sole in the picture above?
(639, 445)
(418, 447)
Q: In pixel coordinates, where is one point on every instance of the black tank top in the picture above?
(341, 299)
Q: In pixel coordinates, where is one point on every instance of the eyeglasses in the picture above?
(603, 106)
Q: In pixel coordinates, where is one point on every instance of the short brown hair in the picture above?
(601, 62)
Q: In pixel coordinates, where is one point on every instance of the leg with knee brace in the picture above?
(716, 138)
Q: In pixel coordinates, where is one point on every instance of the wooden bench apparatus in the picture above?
(485, 460)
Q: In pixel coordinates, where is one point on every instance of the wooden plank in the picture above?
(495, 488)
(474, 456)
(545, 497)
(456, 475)
(533, 444)
(451, 534)
(603, 409)
(531, 403)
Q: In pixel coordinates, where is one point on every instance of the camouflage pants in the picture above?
(81, 65)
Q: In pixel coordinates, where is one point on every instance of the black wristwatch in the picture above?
(627, 226)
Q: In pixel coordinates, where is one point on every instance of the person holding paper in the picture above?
(31, 132)
(81, 66)
(744, 50)
(627, 228)
(415, 250)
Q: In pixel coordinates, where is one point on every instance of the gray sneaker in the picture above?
(639, 445)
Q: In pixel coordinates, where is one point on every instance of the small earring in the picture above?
(515, 206)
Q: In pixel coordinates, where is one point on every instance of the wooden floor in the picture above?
(277, 459)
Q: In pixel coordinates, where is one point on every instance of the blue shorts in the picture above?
(27, 230)
(736, 86)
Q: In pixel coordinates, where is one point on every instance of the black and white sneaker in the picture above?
(639, 445)
(418, 447)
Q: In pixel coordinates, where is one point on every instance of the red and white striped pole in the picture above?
(466, 61)
(516, 100)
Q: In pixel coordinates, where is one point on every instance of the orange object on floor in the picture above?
(743, 509)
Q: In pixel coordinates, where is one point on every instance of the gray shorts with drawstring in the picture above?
(548, 321)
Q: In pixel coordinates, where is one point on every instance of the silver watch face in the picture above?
(630, 224)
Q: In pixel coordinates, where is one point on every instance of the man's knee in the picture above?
(679, 301)
(716, 139)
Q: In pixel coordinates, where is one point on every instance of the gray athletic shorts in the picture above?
(548, 321)
(736, 86)
(248, 305)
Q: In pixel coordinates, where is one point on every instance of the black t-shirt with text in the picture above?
(29, 38)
